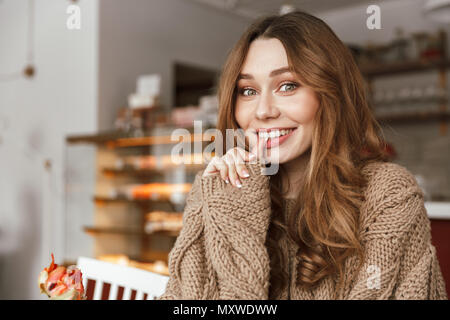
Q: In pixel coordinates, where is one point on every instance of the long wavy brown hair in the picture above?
(325, 221)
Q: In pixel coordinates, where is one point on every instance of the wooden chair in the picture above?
(130, 282)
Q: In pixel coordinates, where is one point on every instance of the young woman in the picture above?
(338, 221)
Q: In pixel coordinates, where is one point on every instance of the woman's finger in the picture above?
(240, 164)
(232, 173)
(260, 149)
(223, 168)
(217, 165)
(245, 155)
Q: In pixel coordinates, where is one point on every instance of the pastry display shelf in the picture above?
(104, 200)
(383, 69)
(416, 117)
(127, 231)
(118, 139)
(372, 71)
(110, 171)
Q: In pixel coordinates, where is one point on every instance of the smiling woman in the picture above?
(271, 99)
(335, 222)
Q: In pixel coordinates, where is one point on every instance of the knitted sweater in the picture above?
(221, 253)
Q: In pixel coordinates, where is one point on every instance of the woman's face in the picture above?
(271, 103)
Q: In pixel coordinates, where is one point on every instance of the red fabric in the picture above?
(440, 233)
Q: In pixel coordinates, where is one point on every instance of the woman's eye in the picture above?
(248, 92)
(288, 87)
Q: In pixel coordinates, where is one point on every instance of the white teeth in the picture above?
(274, 133)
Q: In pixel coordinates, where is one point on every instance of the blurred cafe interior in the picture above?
(91, 92)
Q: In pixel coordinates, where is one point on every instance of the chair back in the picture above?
(118, 282)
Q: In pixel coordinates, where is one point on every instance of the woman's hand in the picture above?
(232, 165)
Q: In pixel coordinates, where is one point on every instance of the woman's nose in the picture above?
(266, 108)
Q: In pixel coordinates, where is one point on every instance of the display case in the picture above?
(125, 194)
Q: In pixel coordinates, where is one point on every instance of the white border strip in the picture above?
(438, 210)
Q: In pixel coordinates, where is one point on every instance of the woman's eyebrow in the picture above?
(274, 73)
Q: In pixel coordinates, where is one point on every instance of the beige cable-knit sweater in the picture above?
(221, 253)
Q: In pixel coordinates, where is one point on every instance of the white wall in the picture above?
(36, 115)
(148, 36)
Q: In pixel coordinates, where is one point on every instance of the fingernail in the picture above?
(245, 174)
(227, 181)
(238, 184)
(252, 156)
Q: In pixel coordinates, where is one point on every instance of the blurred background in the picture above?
(91, 90)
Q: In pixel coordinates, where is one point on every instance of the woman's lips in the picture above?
(276, 141)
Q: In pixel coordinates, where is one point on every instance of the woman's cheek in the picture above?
(301, 110)
(242, 116)
(311, 104)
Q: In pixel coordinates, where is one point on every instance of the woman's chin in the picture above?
(279, 156)
(274, 160)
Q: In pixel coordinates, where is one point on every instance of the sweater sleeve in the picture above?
(400, 261)
(187, 263)
(236, 224)
(220, 252)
